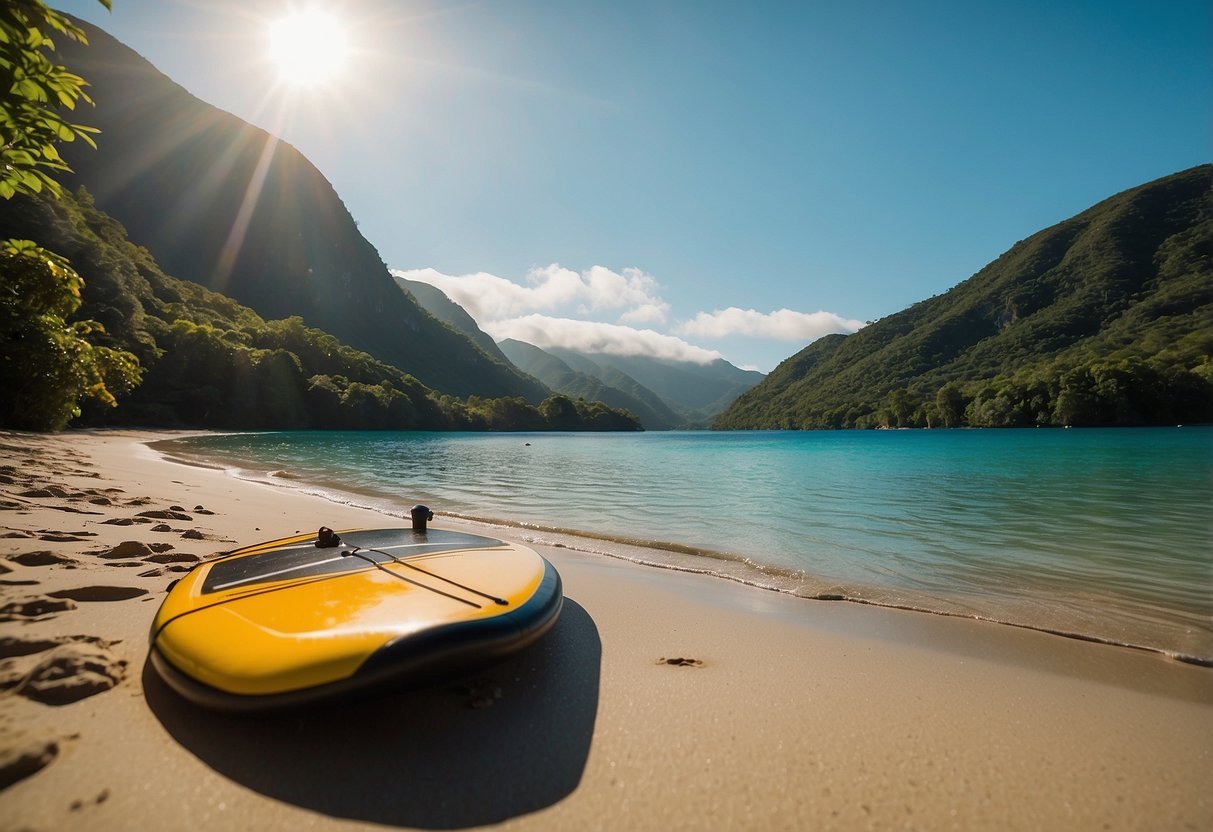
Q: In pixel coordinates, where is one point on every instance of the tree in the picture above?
(950, 404)
(33, 90)
(46, 365)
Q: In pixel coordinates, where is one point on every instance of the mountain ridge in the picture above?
(615, 390)
(227, 205)
(1024, 327)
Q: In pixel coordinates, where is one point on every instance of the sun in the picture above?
(309, 48)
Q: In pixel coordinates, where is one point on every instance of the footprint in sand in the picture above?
(36, 608)
(57, 536)
(22, 755)
(169, 514)
(681, 662)
(18, 656)
(36, 492)
(172, 557)
(99, 593)
(164, 570)
(42, 558)
(72, 672)
(126, 550)
(11, 646)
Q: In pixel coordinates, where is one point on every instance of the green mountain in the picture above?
(207, 361)
(435, 301)
(229, 206)
(700, 390)
(673, 394)
(613, 388)
(696, 392)
(663, 394)
(1103, 319)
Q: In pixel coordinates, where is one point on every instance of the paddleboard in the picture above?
(304, 618)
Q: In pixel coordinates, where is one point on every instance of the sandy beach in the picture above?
(660, 700)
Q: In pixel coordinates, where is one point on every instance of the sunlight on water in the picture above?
(1100, 533)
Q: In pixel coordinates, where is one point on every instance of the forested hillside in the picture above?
(208, 361)
(620, 391)
(664, 393)
(224, 204)
(1103, 319)
(434, 300)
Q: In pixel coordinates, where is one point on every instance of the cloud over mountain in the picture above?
(631, 294)
(595, 337)
(782, 324)
(600, 310)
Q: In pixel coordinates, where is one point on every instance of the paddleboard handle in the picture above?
(421, 515)
(326, 538)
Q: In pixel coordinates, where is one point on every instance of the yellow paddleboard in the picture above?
(306, 618)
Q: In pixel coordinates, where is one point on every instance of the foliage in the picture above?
(46, 363)
(1103, 319)
(32, 90)
(211, 362)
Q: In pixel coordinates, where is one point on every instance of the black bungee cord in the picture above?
(500, 601)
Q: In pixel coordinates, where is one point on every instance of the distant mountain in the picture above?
(663, 393)
(702, 390)
(1105, 318)
(698, 392)
(619, 392)
(225, 204)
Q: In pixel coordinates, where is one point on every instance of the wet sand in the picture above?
(660, 700)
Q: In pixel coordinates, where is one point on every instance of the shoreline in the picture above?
(729, 566)
(659, 700)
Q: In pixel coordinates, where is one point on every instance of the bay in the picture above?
(1104, 534)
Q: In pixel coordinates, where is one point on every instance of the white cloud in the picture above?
(632, 293)
(594, 337)
(781, 325)
(599, 310)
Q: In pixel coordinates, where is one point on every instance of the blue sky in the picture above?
(696, 178)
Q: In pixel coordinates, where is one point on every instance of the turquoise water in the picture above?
(1104, 534)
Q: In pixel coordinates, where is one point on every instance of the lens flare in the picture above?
(308, 47)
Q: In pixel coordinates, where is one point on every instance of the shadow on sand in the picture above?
(509, 740)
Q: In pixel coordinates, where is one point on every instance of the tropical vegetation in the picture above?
(1103, 319)
(205, 360)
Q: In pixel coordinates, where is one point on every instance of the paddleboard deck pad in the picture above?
(290, 622)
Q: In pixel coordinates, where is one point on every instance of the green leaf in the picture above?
(31, 90)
